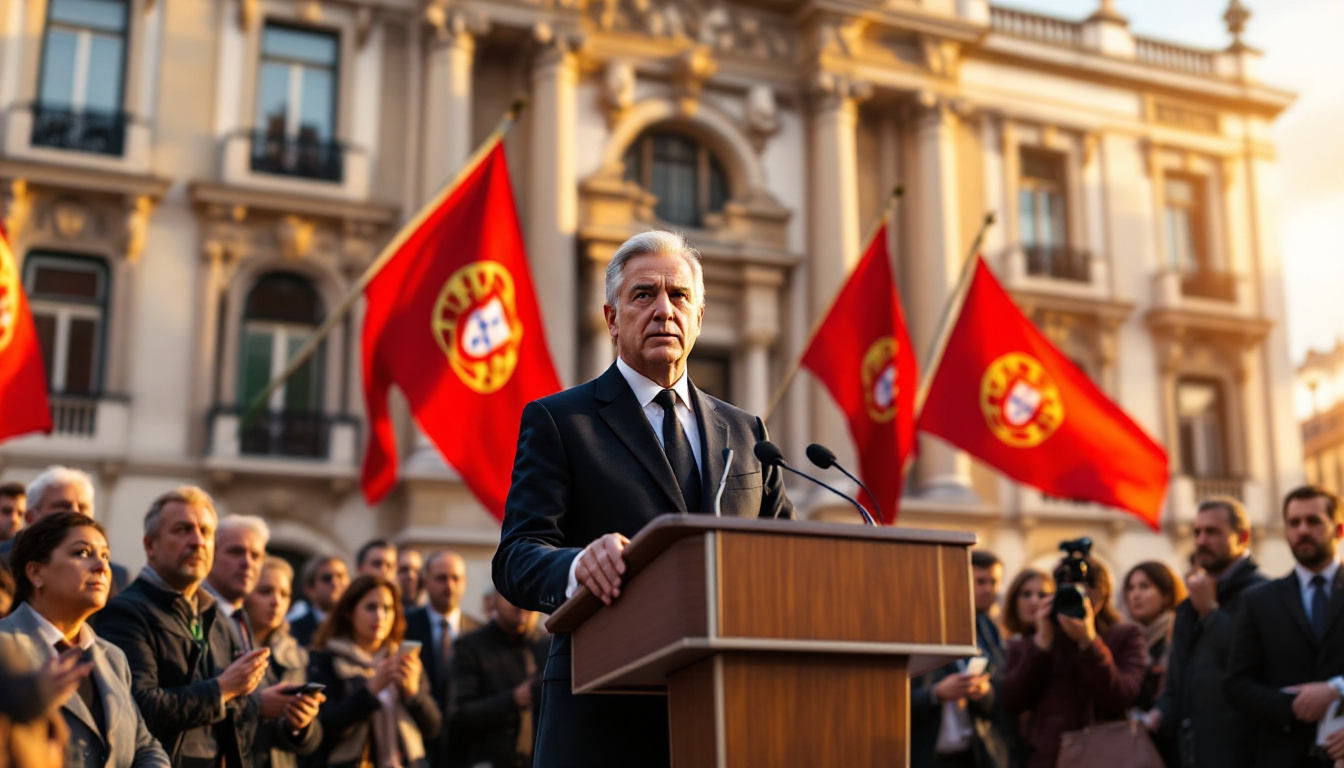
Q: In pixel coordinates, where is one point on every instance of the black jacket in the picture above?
(1217, 735)
(588, 464)
(350, 704)
(173, 676)
(276, 746)
(1273, 647)
(303, 628)
(994, 743)
(446, 750)
(487, 665)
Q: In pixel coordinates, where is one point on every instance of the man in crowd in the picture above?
(13, 505)
(596, 462)
(324, 581)
(955, 719)
(1287, 657)
(1209, 731)
(62, 489)
(240, 549)
(410, 578)
(496, 688)
(189, 675)
(435, 626)
(377, 558)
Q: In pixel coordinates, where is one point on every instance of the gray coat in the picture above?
(127, 743)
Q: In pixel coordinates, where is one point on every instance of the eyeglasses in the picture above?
(330, 578)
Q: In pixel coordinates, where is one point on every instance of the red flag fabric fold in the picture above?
(452, 321)
(861, 352)
(1007, 396)
(23, 373)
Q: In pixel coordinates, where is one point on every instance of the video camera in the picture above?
(1072, 578)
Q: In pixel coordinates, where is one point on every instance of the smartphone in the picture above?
(308, 689)
(409, 646)
(976, 666)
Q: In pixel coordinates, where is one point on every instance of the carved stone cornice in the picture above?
(556, 46)
(836, 91)
(742, 31)
(455, 27)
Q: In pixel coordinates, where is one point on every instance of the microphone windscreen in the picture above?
(768, 453)
(821, 455)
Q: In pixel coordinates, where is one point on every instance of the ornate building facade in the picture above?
(192, 186)
(1320, 408)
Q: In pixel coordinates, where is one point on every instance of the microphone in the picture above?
(824, 458)
(723, 481)
(769, 454)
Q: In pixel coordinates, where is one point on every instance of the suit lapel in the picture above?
(713, 439)
(620, 410)
(39, 652)
(1336, 601)
(1291, 594)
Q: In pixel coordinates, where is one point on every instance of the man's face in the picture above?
(446, 582)
(239, 552)
(511, 618)
(987, 582)
(1216, 544)
(329, 583)
(409, 564)
(184, 548)
(12, 509)
(379, 561)
(657, 317)
(1312, 534)
(62, 497)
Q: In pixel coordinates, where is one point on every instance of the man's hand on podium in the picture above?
(601, 565)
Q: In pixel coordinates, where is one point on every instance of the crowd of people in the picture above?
(203, 660)
(1220, 668)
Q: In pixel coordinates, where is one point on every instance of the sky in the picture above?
(1303, 43)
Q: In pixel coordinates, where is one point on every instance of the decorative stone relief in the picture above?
(69, 219)
(689, 73)
(942, 57)
(455, 26)
(138, 210)
(618, 90)
(248, 10)
(310, 11)
(832, 89)
(704, 22)
(762, 115)
(295, 236)
(18, 209)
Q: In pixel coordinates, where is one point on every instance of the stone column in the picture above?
(942, 472)
(553, 197)
(760, 330)
(600, 353)
(833, 228)
(448, 97)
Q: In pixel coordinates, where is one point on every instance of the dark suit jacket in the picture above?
(588, 464)
(1273, 647)
(994, 741)
(446, 751)
(1220, 736)
(487, 665)
(303, 628)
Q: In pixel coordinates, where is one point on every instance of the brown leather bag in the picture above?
(1116, 744)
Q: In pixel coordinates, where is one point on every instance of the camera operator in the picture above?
(1083, 665)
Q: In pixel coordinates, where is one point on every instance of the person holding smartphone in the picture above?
(297, 730)
(379, 712)
(63, 577)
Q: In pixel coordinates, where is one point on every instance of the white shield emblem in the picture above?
(884, 389)
(486, 329)
(1022, 403)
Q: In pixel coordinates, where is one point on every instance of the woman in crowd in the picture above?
(379, 711)
(62, 573)
(1025, 594)
(297, 732)
(1152, 592)
(1074, 671)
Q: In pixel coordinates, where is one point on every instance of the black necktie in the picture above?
(678, 450)
(1319, 606)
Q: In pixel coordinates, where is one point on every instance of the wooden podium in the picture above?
(778, 643)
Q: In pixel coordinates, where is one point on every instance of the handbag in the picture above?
(1116, 744)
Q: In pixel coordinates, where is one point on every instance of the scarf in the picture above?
(1155, 633)
(393, 728)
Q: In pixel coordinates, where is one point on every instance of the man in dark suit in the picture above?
(496, 687)
(1209, 731)
(324, 581)
(596, 462)
(955, 718)
(1288, 646)
(436, 625)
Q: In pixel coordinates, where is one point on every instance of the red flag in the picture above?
(1006, 396)
(453, 322)
(861, 352)
(23, 374)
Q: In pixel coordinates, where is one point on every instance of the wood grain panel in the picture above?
(788, 710)
(794, 587)
(692, 715)
(958, 596)
(664, 603)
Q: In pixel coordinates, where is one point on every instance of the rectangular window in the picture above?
(1200, 417)
(1043, 217)
(68, 297)
(296, 103)
(79, 104)
(1183, 219)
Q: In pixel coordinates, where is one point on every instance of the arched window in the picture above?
(68, 296)
(281, 311)
(681, 172)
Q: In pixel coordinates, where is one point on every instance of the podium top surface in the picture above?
(664, 530)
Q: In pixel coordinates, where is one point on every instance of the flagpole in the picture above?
(384, 256)
(892, 201)
(950, 310)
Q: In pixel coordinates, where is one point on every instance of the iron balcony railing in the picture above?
(1060, 263)
(288, 433)
(1208, 284)
(87, 130)
(302, 156)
